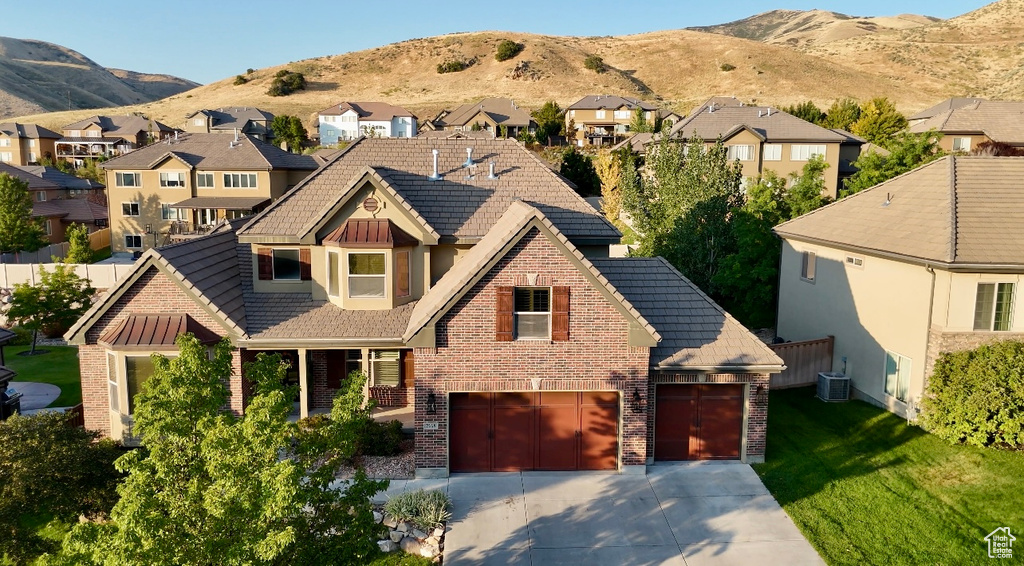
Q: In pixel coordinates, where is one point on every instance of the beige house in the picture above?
(183, 186)
(971, 122)
(108, 136)
(26, 144)
(241, 119)
(763, 138)
(600, 119)
(928, 262)
(59, 200)
(489, 114)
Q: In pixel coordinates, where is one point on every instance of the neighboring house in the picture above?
(925, 263)
(479, 301)
(764, 138)
(966, 126)
(26, 144)
(241, 119)
(942, 108)
(349, 120)
(182, 186)
(59, 199)
(601, 119)
(489, 114)
(108, 136)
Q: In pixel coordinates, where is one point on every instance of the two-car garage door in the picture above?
(698, 421)
(496, 432)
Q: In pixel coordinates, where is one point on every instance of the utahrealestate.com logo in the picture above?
(1000, 543)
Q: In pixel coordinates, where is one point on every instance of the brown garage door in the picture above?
(698, 422)
(498, 432)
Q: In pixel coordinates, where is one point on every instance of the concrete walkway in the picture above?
(35, 395)
(692, 514)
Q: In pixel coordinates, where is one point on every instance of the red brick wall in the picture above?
(153, 293)
(757, 411)
(468, 358)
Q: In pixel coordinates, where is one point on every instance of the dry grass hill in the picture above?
(36, 76)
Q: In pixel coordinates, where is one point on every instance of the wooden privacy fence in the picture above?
(76, 416)
(803, 362)
(100, 239)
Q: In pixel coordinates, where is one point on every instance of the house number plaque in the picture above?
(430, 425)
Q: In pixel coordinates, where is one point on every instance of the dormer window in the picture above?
(369, 259)
(367, 275)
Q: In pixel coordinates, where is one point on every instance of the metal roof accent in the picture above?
(369, 233)
(144, 332)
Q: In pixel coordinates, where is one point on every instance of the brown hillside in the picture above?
(679, 68)
(977, 54)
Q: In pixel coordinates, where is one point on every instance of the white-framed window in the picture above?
(207, 216)
(31, 143)
(993, 307)
(740, 152)
(240, 180)
(897, 375)
(962, 144)
(93, 133)
(367, 275)
(287, 265)
(40, 196)
(169, 213)
(204, 180)
(174, 179)
(133, 241)
(333, 275)
(6, 156)
(803, 151)
(622, 114)
(124, 179)
(532, 313)
(772, 152)
(199, 122)
(48, 227)
(137, 371)
(808, 263)
(115, 401)
(385, 368)
(599, 114)
(572, 113)
(130, 208)
(854, 261)
(5, 142)
(403, 275)
(32, 157)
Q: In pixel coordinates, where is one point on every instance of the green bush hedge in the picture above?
(381, 438)
(977, 396)
(508, 49)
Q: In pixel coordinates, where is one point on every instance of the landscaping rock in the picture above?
(404, 527)
(378, 516)
(429, 550)
(387, 545)
(419, 534)
(390, 522)
(438, 532)
(397, 536)
(410, 545)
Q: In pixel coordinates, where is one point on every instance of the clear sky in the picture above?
(213, 39)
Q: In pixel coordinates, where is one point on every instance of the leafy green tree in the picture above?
(595, 63)
(286, 82)
(53, 305)
(290, 130)
(18, 230)
(906, 151)
(54, 471)
(808, 111)
(211, 487)
(579, 169)
(806, 189)
(550, 119)
(842, 114)
(639, 123)
(508, 49)
(79, 247)
(879, 121)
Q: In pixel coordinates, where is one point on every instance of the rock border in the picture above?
(408, 538)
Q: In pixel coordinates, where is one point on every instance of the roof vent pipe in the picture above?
(435, 176)
(492, 175)
(469, 157)
(236, 135)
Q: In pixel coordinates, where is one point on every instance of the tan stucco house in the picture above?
(108, 136)
(184, 185)
(489, 114)
(599, 119)
(928, 262)
(234, 119)
(26, 144)
(966, 123)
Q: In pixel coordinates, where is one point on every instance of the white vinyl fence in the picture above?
(102, 276)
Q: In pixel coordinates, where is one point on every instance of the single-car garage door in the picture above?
(698, 421)
(499, 432)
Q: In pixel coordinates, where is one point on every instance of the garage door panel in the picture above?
(599, 437)
(721, 422)
(514, 436)
(556, 437)
(600, 398)
(559, 398)
(698, 421)
(469, 449)
(515, 399)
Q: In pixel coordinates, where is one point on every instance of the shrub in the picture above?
(240, 80)
(381, 438)
(250, 71)
(23, 336)
(977, 396)
(427, 509)
(594, 63)
(508, 49)
(451, 66)
(286, 82)
(727, 67)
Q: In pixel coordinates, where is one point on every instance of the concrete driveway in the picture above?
(692, 514)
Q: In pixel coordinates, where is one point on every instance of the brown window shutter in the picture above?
(560, 314)
(305, 271)
(503, 315)
(265, 257)
(408, 368)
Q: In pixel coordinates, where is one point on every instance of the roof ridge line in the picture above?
(952, 208)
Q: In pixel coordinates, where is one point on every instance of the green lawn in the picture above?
(59, 367)
(865, 488)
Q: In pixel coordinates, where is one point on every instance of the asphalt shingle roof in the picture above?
(695, 331)
(455, 206)
(502, 110)
(213, 152)
(129, 125)
(234, 117)
(209, 267)
(955, 210)
(944, 106)
(609, 102)
(1001, 121)
(34, 181)
(370, 111)
(771, 124)
(15, 129)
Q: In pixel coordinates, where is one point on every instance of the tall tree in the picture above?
(808, 111)
(18, 230)
(807, 188)
(53, 304)
(289, 129)
(843, 113)
(79, 247)
(906, 151)
(608, 166)
(879, 121)
(550, 120)
(214, 488)
(639, 123)
(579, 169)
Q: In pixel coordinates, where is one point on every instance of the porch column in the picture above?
(303, 384)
